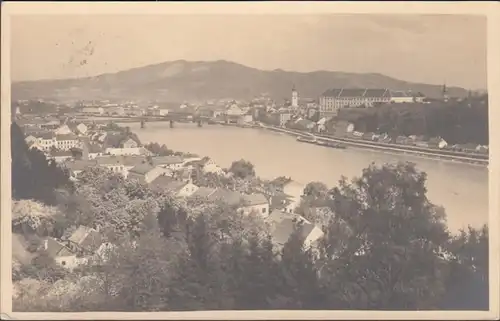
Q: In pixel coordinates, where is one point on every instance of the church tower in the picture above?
(445, 92)
(295, 98)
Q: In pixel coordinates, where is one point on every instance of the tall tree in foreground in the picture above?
(390, 257)
(242, 169)
(33, 177)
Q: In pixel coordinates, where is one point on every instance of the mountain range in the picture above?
(180, 80)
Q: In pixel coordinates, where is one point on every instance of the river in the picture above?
(461, 189)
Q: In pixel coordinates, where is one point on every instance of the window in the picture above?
(263, 210)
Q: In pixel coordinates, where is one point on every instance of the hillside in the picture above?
(183, 80)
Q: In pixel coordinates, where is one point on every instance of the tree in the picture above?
(300, 287)
(242, 169)
(468, 282)
(316, 190)
(30, 217)
(389, 258)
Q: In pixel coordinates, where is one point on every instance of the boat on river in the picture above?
(331, 144)
(310, 140)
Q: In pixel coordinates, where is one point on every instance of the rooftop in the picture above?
(356, 92)
(142, 169)
(167, 160)
(203, 192)
(254, 199)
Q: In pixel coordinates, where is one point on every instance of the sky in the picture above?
(433, 49)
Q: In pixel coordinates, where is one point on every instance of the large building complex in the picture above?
(334, 99)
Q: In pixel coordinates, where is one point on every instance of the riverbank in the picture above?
(460, 188)
(477, 160)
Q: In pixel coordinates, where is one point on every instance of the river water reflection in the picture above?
(460, 188)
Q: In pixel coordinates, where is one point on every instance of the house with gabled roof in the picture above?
(171, 162)
(255, 203)
(146, 173)
(283, 225)
(172, 186)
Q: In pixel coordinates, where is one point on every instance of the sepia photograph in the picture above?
(248, 162)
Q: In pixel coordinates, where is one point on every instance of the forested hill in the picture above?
(187, 80)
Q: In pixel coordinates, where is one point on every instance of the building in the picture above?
(146, 173)
(92, 150)
(255, 203)
(127, 151)
(67, 141)
(93, 110)
(160, 112)
(283, 225)
(169, 162)
(177, 188)
(334, 99)
(115, 111)
(60, 156)
(130, 143)
(81, 129)
(63, 130)
(399, 97)
(112, 163)
(207, 165)
(75, 167)
(437, 142)
(46, 141)
(30, 139)
(283, 118)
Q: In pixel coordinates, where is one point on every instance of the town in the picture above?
(155, 171)
(340, 113)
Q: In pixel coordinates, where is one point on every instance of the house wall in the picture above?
(66, 144)
(70, 262)
(315, 234)
(61, 159)
(124, 151)
(400, 100)
(261, 209)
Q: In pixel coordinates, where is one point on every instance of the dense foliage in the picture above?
(33, 176)
(382, 249)
(458, 122)
(242, 169)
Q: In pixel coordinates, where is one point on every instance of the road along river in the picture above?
(462, 189)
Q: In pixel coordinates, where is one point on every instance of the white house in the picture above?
(130, 143)
(170, 162)
(398, 97)
(30, 139)
(161, 112)
(255, 203)
(437, 142)
(63, 130)
(177, 188)
(146, 173)
(82, 128)
(67, 141)
(93, 110)
(282, 226)
(234, 110)
(112, 163)
(127, 151)
(46, 141)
